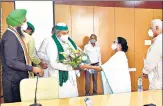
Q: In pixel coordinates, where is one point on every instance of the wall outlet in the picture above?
(147, 42)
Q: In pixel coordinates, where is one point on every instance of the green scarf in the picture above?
(63, 75)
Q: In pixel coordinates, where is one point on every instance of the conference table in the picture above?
(122, 99)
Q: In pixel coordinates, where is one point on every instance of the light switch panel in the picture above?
(132, 69)
(147, 42)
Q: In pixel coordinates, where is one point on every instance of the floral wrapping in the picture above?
(74, 58)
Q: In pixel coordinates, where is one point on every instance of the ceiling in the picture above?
(106, 3)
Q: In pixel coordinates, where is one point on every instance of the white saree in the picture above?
(115, 74)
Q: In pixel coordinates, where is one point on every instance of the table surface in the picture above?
(122, 99)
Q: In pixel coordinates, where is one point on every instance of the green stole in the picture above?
(63, 75)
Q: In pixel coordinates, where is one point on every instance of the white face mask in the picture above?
(150, 33)
(64, 38)
(114, 46)
(24, 26)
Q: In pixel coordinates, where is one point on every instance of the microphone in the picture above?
(35, 100)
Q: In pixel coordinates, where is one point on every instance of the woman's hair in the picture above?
(123, 43)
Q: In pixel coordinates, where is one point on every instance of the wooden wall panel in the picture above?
(124, 27)
(143, 19)
(82, 23)
(63, 14)
(157, 14)
(82, 27)
(104, 29)
(7, 7)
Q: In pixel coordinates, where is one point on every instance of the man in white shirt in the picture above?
(153, 62)
(50, 51)
(42, 54)
(93, 51)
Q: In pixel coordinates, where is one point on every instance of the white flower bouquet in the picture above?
(75, 58)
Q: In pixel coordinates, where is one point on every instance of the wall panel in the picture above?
(63, 14)
(7, 7)
(124, 27)
(82, 27)
(104, 29)
(143, 19)
(158, 13)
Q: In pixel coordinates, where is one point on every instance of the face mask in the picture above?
(92, 41)
(64, 38)
(24, 26)
(114, 46)
(150, 33)
(29, 33)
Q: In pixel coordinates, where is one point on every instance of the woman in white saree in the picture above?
(115, 74)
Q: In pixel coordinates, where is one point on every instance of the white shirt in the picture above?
(93, 53)
(153, 63)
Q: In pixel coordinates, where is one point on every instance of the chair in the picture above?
(47, 88)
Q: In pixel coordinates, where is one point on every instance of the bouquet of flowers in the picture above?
(75, 58)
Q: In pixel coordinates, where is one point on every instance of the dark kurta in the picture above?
(14, 67)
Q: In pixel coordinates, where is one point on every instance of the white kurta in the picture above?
(69, 89)
(41, 53)
(153, 64)
(115, 74)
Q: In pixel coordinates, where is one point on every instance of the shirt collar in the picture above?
(13, 28)
(158, 37)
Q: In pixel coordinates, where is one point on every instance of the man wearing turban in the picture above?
(28, 30)
(16, 64)
(50, 50)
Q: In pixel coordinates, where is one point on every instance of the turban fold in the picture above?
(61, 27)
(16, 17)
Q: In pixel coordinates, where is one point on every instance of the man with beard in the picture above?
(16, 64)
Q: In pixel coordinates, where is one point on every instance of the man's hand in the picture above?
(38, 70)
(43, 65)
(145, 76)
